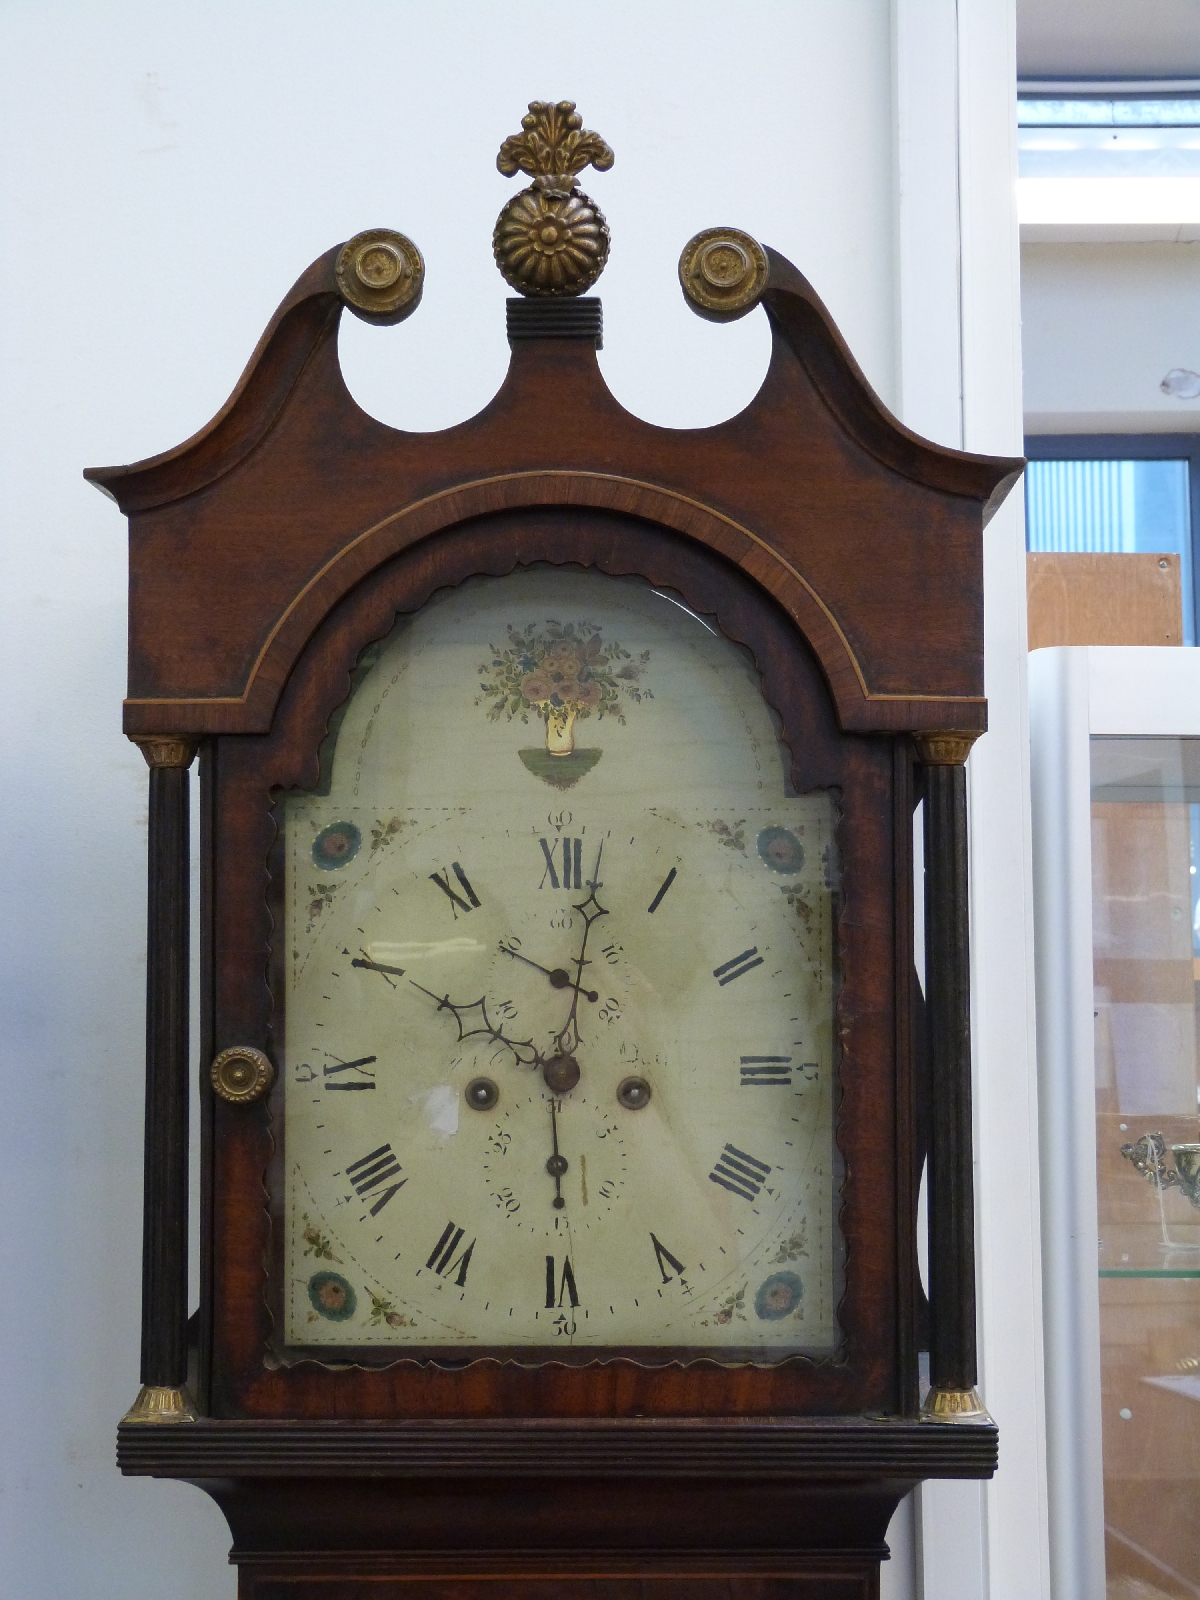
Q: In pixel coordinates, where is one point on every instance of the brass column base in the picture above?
(954, 1405)
(156, 1403)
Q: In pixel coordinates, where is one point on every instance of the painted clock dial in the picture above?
(559, 995)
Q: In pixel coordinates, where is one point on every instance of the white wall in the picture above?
(169, 171)
(961, 383)
(1103, 325)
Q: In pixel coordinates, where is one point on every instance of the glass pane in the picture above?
(1145, 801)
(1135, 112)
(1126, 151)
(499, 1073)
(1113, 506)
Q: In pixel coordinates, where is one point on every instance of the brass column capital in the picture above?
(161, 1403)
(955, 1405)
(939, 747)
(166, 749)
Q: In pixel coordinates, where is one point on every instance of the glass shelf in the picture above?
(1149, 1272)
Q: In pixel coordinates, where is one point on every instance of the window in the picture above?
(1114, 492)
(1102, 135)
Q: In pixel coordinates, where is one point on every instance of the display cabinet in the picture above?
(1116, 785)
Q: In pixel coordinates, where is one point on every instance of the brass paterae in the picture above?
(380, 274)
(242, 1075)
(723, 273)
(551, 239)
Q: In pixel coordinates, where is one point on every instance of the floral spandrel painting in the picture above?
(561, 674)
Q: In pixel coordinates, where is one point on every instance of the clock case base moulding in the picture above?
(768, 1510)
(865, 541)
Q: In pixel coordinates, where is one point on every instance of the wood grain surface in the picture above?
(245, 537)
(1114, 598)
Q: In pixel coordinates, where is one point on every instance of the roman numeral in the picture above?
(729, 970)
(566, 1285)
(442, 1258)
(365, 1080)
(766, 1070)
(740, 1173)
(665, 1260)
(572, 864)
(663, 887)
(457, 903)
(369, 1173)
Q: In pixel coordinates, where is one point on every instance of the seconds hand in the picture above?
(557, 1164)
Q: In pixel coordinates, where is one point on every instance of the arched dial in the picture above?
(559, 994)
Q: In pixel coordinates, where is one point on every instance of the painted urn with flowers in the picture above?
(562, 674)
(561, 685)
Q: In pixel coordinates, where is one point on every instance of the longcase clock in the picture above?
(565, 1082)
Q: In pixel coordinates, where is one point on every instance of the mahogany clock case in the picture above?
(845, 554)
(875, 1088)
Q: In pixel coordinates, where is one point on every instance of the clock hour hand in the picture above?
(561, 1070)
(559, 977)
(523, 1051)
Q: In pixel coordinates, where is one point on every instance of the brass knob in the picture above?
(242, 1075)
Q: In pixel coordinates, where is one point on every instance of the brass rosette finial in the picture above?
(551, 239)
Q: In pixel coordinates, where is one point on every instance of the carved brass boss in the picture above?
(242, 1075)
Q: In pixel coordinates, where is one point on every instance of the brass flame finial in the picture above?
(551, 239)
(555, 141)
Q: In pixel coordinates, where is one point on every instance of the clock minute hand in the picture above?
(559, 977)
(591, 910)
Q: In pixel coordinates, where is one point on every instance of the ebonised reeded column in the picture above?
(163, 1396)
(953, 1367)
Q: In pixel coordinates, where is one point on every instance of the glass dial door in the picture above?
(559, 987)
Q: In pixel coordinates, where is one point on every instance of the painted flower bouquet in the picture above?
(561, 672)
